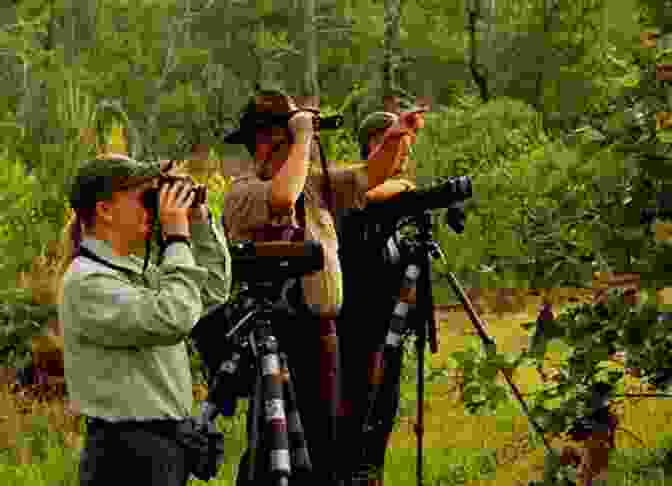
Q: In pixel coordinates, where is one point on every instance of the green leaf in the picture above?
(665, 136)
(472, 393)
(489, 372)
(459, 356)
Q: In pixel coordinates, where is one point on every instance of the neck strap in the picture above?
(85, 252)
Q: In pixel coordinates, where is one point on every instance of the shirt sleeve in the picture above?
(349, 186)
(211, 251)
(247, 206)
(113, 312)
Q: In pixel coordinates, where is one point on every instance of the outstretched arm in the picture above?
(386, 160)
(389, 189)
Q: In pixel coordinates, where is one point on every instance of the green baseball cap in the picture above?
(378, 120)
(408, 103)
(382, 120)
(97, 179)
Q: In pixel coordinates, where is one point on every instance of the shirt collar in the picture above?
(103, 250)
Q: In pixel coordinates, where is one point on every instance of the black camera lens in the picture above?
(461, 187)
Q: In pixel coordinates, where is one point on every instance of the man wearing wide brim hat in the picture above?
(289, 194)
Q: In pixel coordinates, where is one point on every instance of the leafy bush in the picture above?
(530, 193)
(472, 138)
(22, 230)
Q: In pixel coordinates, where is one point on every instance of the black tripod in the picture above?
(417, 254)
(276, 441)
(246, 360)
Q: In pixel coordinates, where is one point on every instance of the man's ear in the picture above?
(104, 211)
(376, 138)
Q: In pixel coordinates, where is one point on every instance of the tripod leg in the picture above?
(253, 427)
(419, 426)
(382, 405)
(386, 409)
(371, 430)
(297, 439)
(329, 371)
(243, 468)
(274, 413)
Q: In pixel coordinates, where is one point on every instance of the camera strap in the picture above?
(86, 253)
(301, 210)
(328, 195)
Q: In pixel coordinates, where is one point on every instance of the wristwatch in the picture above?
(175, 238)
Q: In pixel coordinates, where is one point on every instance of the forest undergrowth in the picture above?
(40, 443)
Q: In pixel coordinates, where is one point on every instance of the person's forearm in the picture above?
(389, 189)
(385, 161)
(210, 251)
(288, 183)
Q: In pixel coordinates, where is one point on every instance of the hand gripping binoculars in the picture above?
(150, 198)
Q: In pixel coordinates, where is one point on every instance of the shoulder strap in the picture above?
(329, 195)
(86, 253)
(301, 210)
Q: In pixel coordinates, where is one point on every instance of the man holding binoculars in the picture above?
(126, 363)
(286, 195)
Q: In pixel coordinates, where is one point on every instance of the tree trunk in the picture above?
(665, 42)
(391, 52)
(477, 68)
(309, 86)
(549, 9)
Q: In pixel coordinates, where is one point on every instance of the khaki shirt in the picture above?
(247, 216)
(124, 350)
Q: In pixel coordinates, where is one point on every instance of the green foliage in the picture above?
(656, 13)
(19, 216)
(589, 334)
(482, 394)
(20, 319)
(527, 221)
(473, 137)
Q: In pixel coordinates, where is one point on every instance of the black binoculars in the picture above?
(150, 198)
(261, 121)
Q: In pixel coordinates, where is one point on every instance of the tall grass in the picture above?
(42, 446)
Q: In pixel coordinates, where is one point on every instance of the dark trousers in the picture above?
(312, 353)
(132, 453)
(363, 372)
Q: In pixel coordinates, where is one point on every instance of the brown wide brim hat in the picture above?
(267, 102)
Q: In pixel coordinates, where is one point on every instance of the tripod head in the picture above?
(258, 263)
(267, 273)
(407, 206)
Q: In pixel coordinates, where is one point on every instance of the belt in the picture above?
(161, 426)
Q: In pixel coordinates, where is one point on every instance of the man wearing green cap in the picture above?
(360, 348)
(288, 195)
(372, 134)
(126, 364)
